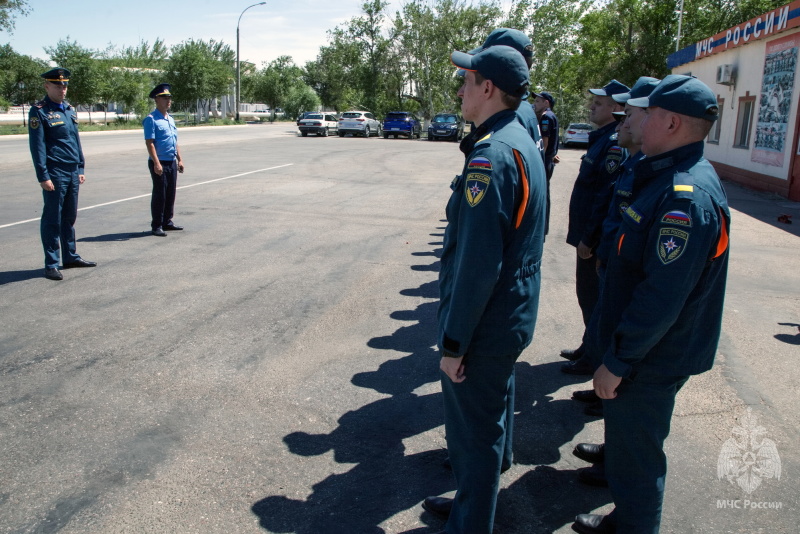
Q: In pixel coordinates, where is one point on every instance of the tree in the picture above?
(9, 9)
(274, 83)
(200, 71)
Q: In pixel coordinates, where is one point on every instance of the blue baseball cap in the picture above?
(611, 88)
(508, 37)
(503, 65)
(643, 87)
(547, 96)
(681, 94)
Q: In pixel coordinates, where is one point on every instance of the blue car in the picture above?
(447, 126)
(399, 123)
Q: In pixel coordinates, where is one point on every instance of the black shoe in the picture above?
(594, 475)
(447, 465)
(440, 506)
(571, 354)
(80, 262)
(578, 367)
(170, 227)
(53, 274)
(595, 409)
(590, 452)
(586, 395)
(159, 232)
(593, 524)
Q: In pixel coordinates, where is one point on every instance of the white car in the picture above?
(318, 123)
(577, 134)
(359, 123)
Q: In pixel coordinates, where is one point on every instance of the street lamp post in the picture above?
(238, 61)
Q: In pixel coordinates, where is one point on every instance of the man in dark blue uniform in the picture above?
(589, 203)
(59, 164)
(661, 312)
(488, 283)
(525, 112)
(548, 125)
(629, 138)
(165, 162)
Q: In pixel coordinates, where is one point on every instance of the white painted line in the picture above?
(147, 195)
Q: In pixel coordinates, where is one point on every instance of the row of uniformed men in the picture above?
(650, 296)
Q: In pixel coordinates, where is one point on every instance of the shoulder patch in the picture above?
(671, 244)
(680, 218)
(476, 186)
(615, 150)
(33, 123)
(480, 163)
(613, 162)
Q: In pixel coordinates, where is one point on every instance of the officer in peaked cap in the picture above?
(164, 161)
(488, 283)
(59, 164)
(525, 113)
(588, 206)
(661, 311)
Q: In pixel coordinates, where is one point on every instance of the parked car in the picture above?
(303, 115)
(398, 123)
(359, 123)
(318, 123)
(446, 126)
(577, 133)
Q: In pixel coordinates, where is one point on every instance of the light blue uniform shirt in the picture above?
(165, 133)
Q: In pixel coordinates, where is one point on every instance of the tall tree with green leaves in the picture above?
(9, 10)
(199, 71)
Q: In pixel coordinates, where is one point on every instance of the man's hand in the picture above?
(584, 252)
(81, 178)
(180, 167)
(453, 367)
(157, 168)
(605, 383)
(556, 159)
(47, 185)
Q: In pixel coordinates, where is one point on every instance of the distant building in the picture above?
(752, 68)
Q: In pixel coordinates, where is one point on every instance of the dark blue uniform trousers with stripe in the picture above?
(479, 419)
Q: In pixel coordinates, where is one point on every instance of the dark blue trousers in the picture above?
(162, 203)
(637, 424)
(59, 214)
(587, 286)
(479, 418)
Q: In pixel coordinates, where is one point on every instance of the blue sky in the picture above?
(295, 28)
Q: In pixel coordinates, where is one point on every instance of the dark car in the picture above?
(398, 123)
(446, 126)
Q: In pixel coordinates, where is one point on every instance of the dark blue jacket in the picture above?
(526, 116)
(489, 278)
(53, 139)
(591, 194)
(548, 125)
(665, 280)
(620, 200)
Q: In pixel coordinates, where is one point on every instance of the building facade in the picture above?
(752, 68)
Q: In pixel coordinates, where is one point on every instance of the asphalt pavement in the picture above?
(272, 368)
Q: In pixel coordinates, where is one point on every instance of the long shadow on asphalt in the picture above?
(123, 236)
(8, 277)
(765, 207)
(386, 481)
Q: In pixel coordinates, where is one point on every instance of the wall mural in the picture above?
(777, 88)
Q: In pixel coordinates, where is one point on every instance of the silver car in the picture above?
(359, 123)
(576, 134)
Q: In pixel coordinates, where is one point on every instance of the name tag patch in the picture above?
(677, 217)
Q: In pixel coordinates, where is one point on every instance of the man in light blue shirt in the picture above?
(161, 138)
